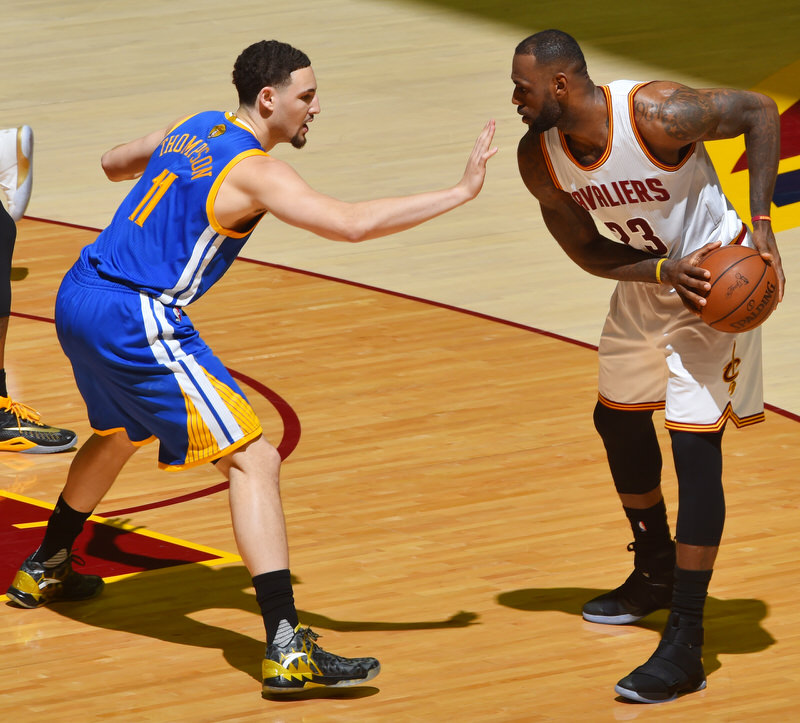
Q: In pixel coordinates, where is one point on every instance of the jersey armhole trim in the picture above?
(640, 141)
(549, 163)
(609, 141)
(212, 196)
(740, 237)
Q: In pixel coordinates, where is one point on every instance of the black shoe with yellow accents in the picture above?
(21, 430)
(301, 664)
(35, 585)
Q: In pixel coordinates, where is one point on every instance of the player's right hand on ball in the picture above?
(689, 279)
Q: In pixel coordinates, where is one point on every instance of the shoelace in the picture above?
(21, 411)
(309, 634)
(74, 559)
(70, 560)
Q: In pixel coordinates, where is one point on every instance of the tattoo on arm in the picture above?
(687, 115)
(646, 110)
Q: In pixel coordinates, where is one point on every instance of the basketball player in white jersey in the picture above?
(631, 155)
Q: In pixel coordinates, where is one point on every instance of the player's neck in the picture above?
(256, 125)
(585, 124)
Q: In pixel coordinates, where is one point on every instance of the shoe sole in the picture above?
(38, 449)
(614, 619)
(20, 445)
(27, 601)
(633, 695)
(18, 598)
(268, 690)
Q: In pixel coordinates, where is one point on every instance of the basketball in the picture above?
(744, 289)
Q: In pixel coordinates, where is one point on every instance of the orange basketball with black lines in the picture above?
(744, 289)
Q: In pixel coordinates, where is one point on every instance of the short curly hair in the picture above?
(553, 46)
(267, 62)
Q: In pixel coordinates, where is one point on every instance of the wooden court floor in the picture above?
(449, 511)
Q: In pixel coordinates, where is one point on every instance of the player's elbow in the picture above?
(348, 234)
(117, 168)
(354, 235)
(770, 106)
(352, 226)
(112, 170)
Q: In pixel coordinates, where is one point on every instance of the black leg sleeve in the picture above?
(634, 456)
(8, 234)
(701, 500)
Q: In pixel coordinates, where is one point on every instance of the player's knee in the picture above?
(622, 425)
(272, 458)
(634, 456)
(255, 459)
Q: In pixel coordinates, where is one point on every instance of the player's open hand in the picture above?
(475, 172)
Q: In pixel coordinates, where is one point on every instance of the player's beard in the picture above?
(298, 141)
(548, 118)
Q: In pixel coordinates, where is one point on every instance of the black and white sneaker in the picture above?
(636, 598)
(675, 668)
(647, 589)
(21, 430)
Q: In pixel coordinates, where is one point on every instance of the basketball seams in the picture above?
(730, 306)
(757, 286)
(728, 268)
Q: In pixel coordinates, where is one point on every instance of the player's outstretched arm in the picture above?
(128, 160)
(275, 187)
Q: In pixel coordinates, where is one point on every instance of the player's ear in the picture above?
(560, 83)
(266, 98)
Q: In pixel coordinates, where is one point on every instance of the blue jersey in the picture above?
(164, 239)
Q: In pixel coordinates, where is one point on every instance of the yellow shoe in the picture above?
(301, 664)
(35, 585)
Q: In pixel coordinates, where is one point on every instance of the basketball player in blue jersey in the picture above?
(631, 155)
(144, 372)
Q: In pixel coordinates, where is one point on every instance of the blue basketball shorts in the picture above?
(141, 367)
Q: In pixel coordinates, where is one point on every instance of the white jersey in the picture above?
(652, 206)
(654, 353)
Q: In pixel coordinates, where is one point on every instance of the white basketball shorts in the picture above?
(655, 354)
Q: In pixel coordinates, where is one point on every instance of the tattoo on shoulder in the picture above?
(646, 110)
(686, 115)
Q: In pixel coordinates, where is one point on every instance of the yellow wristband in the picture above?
(658, 270)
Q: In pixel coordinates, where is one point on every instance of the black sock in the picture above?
(63, 528)
(276, 600)
(3, 388)
(689, 596)
(654, 549)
